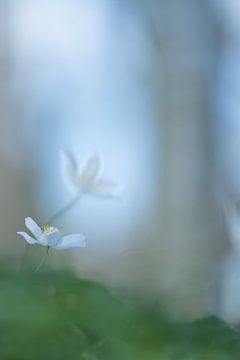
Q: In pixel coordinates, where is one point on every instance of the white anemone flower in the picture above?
(86, 179)
(51, 236)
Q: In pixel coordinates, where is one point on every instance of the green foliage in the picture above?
(57, 316)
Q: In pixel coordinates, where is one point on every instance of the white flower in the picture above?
(51, 236)
(87, 179)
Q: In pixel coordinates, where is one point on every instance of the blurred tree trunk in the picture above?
(190, 224)
(15, 169)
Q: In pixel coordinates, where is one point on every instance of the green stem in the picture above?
(43, 260)
(24, 256)
(63, 210)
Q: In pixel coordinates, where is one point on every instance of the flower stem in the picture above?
(63, 210)
(24, 256)
(43, 260)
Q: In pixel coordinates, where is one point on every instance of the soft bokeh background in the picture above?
(154, 88)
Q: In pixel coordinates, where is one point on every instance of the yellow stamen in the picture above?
(45, 228)
(49, 229)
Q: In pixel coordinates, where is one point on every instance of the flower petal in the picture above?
(28, 238)
(53, 239)
(71, 241)
(68, 168)
(105, 188)
(32, 226)
(91, 169)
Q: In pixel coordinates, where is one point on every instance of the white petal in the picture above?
(91, 169)
(32, 226)
(71, 241)
(28, 238)
(105, 188)
(53, 239)
(68, 169)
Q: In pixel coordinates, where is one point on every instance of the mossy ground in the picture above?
(55, 315)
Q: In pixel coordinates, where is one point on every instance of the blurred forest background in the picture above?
(154, 87)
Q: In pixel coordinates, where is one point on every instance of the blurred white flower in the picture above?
(86, 180)
(51, 236)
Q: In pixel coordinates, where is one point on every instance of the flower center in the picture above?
(47, 229)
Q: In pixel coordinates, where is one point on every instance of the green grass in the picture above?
(57, 316)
